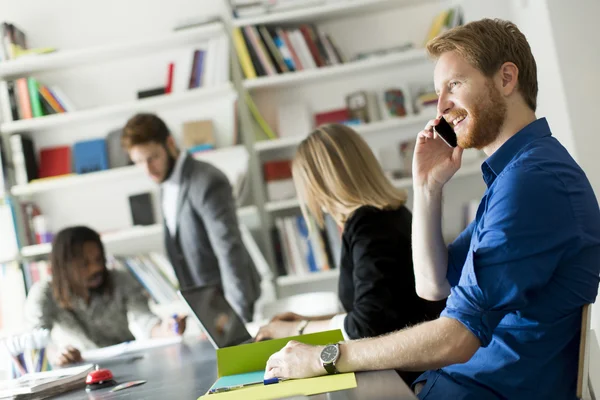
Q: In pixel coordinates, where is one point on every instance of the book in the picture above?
(34, 98)
(142, 94)
(24, 160)
(243, 54)
(336, 116)
(142, 212)
(90, 156)
(197, 133)
(117, 156)
(55, 161)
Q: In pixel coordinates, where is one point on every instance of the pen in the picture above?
(243, 385)
(176, 326)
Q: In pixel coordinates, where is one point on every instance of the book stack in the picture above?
(42, 385)
(271, 50)
(154, 272)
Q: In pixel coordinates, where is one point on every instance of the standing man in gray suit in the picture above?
(202, 236)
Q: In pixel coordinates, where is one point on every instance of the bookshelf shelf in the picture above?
(151, 103)
(282, 205)
(71, 58)
(289, 280)
(100, 176)
(327, 10)
(135, 232)
(336, 71)
(403, 183)
(364, 129)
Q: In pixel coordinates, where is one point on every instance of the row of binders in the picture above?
(154, 272)
(26, 98)
(301, 251)
(271, 50)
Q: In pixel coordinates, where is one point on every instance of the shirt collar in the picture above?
(495, 164)
(175, 177)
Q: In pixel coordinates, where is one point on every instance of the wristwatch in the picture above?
(329, 356)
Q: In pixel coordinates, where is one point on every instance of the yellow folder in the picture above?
(253, 357)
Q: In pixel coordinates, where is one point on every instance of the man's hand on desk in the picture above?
(170, 327)
(65, 356)
(296, 360)
(277, 329)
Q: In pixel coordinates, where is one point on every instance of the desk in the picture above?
(186, 371)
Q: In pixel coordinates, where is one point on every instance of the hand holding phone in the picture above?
(445, 131)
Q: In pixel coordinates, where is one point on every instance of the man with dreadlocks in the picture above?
(86, 305)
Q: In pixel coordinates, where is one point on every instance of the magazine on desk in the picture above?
(42, 384)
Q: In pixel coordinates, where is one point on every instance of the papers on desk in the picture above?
(44, 384)
(125, 351)
(239, 364)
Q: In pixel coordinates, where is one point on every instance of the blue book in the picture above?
(90, 156)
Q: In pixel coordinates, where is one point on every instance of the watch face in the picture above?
(329, 354)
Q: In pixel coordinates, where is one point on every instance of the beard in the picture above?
(486, 119)
(170, 166)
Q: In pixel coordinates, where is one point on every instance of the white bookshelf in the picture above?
(288, 280)
(363, 129)
(151, 103)
(125, 235)
(326, 10)
(109, 175)
(403, 183)
(63, 59)
(337, 71)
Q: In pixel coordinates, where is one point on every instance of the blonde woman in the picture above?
(335, 172)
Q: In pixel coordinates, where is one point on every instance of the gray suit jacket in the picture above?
(209, 238)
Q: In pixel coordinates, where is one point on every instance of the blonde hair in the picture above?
(486, 45)
(335, 171)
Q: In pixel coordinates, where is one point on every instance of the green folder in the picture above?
(248, 359)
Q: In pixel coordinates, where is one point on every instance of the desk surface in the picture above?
(186, 371)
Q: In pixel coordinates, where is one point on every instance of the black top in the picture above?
(377, 281)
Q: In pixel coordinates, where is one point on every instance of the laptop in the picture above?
(222, 325)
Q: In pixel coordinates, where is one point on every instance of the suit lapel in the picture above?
(183, 189)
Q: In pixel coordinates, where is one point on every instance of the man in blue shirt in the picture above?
(519, 275)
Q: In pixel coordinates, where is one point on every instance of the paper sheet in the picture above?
(124, 350)
(240, 379)
(306, 387)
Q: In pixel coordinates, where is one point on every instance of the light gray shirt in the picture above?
(108, 319)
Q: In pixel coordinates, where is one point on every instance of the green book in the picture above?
(34, 98)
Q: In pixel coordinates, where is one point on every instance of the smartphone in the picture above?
(445, 131)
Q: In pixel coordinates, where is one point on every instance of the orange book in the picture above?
(45, 93)
(22, 92)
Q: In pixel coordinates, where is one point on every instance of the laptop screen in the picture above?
(222, 324)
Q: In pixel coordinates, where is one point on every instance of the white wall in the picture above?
(83, 23)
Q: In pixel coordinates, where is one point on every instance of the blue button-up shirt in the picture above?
(520, 274)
